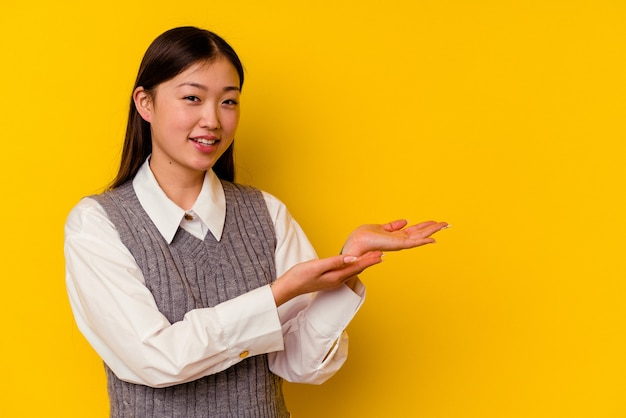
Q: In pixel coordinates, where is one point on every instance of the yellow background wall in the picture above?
(504, 118)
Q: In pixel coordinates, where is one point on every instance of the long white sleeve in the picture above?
(119, 317)
(316, 344)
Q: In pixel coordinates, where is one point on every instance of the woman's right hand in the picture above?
(321, 274)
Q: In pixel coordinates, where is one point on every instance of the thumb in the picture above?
(395, 225)
(337, 261)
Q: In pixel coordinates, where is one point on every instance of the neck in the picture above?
(181, 188)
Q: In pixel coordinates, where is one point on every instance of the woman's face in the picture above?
(193, 117)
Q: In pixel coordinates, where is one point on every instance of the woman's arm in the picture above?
(117, 313)
(314, 324)
(316, 344)
(119, 317)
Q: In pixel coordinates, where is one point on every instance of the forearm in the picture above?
(148, 350)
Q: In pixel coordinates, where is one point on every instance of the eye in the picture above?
(230, 102)
(192, 98)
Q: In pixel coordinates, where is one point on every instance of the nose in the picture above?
(210, 117)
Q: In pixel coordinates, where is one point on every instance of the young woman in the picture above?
(201, 294)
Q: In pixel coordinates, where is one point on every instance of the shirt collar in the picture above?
(210, 206)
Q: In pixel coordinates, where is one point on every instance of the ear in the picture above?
(143, 103)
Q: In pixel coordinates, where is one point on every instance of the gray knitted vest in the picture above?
(190, 273)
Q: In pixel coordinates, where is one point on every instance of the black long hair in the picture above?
(171, 53)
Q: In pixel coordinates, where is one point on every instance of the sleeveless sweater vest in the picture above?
(190, 273)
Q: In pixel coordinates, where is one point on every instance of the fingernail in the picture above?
(446, 227)
(349, 259)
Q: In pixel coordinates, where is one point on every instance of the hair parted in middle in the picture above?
(170, 54)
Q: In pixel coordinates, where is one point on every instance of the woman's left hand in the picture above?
(392, 236)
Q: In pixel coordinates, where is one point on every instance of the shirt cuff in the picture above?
(250, 323)
(333, 310)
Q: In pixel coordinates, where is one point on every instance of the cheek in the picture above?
(177, 121)
(170, 128)
(231, 122)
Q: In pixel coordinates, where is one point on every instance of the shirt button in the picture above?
(244, 354)
(189, 216)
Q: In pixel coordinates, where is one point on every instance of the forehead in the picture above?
(214, 72)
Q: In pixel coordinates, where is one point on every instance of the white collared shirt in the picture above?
(117, 314)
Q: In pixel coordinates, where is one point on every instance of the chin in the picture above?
(203, 165)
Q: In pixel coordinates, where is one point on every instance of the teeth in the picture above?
(204, 141)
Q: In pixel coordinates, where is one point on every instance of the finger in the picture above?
(332, 263)
(435, 228)
(419, 226)
(339, 276)
(355, 267)
(395, 225)
(425, 229)
(366, 260)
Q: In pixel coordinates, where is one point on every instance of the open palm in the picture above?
(392, 236)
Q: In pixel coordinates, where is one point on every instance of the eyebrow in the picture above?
(205, 88)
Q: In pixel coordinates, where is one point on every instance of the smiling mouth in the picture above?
(204, 141)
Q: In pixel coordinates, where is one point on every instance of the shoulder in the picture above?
(86, 206)
(274, 205)
(92, 210)
(118, 193)
(87, 213)
(276, 208)
(250, 192)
